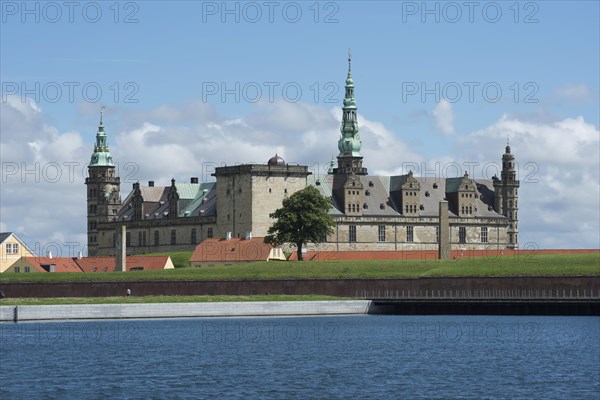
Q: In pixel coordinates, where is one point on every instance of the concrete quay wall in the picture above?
(182, 310)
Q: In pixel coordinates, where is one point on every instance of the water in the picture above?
(363, 357)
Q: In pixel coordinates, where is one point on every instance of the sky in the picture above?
(191, 85)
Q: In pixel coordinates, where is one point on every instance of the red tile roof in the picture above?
(63, 264)
(107, 264)
(234, 249)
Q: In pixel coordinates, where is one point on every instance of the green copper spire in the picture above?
(101, 156)
(350, 143)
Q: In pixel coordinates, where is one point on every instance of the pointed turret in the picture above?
(103, 199)
(348, 189)
(349, 158)
(507, 196)
(101, 155)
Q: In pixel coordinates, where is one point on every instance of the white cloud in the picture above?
(558, 166)
(444, 117)
(575, 93)
(43, 172)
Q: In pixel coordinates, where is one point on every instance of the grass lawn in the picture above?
(181, 259)
(159, 299)
(518, 265)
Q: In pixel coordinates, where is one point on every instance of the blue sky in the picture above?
(169, 63)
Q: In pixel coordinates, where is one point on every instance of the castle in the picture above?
(372, 213)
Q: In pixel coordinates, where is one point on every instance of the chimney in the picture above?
(228, 236)
(151, 183)
(193, 179)
(248, 235)
(49, 254)
(79, 255)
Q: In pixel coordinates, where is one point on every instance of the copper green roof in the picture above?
(350, 143)
(101, 156)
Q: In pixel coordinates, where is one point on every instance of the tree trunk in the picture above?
(299, 251)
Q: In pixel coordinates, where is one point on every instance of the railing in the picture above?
(512, 294)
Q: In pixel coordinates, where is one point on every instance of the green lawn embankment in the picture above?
(518, 265)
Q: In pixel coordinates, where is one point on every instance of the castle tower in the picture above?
(506, 189)
(347, 187)
(103, 199)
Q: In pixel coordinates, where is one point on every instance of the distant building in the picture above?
(89, 264)
(218, 251)
(372, 213)
(11, 249)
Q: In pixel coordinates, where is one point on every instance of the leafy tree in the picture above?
(304, 218)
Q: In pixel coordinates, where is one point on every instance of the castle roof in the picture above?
(195, 199)
(382, 195)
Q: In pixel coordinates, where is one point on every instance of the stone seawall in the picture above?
(359, 287)
(182, 310)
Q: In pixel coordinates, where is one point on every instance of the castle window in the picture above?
(173, 236)
(484, 234)
(17, 269)
(156, 238)
(437, 234)
(462, 234)
(139, 238)
(269, 190)
(381, 233)
(209, 232)
(27, 269)
(435, 185)
(284, 190)
(193, 236)
(144, 238)
(352, 233)
(510, 238)
(128, 239)
(410, 233)
(462, 209)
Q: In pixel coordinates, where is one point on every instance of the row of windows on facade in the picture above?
(142, 239)
(12, 248)
(462, 234)
(93, 209)
(26, 269)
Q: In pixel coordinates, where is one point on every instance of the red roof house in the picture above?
(216, 251)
